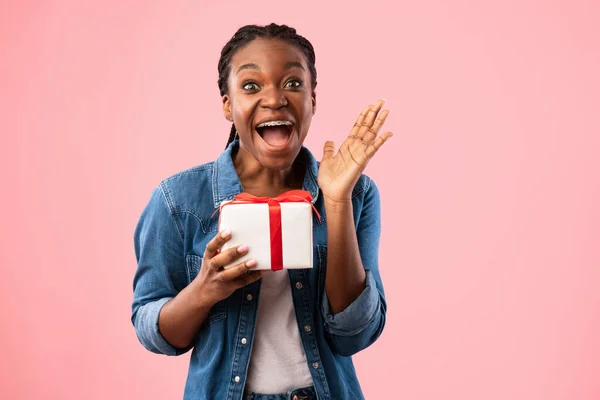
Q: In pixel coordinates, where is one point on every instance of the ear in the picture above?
(314, 102)
(227, 108)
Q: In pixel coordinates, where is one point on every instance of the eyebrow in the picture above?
(293, 64)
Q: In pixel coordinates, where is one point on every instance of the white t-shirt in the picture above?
(278, 362)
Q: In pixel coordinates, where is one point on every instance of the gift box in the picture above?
(277, 230)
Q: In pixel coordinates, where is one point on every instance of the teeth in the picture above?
(274, 123)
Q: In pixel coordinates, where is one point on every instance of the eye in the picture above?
(293, 83)
(250, 86)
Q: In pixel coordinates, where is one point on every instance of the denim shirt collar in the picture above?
(226, 183)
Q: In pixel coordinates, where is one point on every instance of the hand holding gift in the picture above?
(217, 283)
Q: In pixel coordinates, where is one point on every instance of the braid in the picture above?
(248, 33)
(232, 134)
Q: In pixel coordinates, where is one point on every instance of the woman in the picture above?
(279, 335)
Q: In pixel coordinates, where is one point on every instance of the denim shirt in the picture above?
(170, 238)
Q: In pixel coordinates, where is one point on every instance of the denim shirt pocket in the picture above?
(193, 264)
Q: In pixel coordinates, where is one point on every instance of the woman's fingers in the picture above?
(241, 274)
(372, 132)
(237, 270)
(250, 277)
(370, 119)
(359, 122)
(367, 124)
(377, 143)
(227, 257)
(215, 244)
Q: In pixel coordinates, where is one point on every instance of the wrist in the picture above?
(200, 298)
(330, 198)
(337, 204)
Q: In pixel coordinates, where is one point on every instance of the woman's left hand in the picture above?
(339, 172)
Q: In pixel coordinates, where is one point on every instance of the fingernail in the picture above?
(242, 249)
(251, 263)
(383, 99)
(226, 233)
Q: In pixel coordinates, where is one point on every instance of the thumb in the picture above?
(328, 149)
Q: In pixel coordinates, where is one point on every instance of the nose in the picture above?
(273, 97)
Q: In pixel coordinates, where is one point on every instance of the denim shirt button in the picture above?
(244, 341)
(298, 285)
(249, 297)
(307, 328)
(236, 379)
(315, 365)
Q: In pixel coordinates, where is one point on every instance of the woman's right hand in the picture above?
(217, 283)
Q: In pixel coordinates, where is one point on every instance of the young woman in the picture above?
(286, 334)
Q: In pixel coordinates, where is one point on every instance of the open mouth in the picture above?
(275, 133)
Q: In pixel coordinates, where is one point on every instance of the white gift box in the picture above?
(250, 225)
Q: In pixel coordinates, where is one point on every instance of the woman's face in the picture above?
(270, 101)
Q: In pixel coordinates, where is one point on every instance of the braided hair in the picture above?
(247, 34)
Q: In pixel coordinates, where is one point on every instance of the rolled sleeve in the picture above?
(160, 273)
(358, 315)
(361, 323)
(146, 324)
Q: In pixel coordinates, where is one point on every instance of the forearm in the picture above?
(181, 317)
(345, 279)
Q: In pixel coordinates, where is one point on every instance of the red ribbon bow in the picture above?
(275, 217)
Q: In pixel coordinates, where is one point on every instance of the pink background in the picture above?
(490, 249)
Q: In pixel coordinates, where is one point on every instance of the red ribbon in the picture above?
(275, 217)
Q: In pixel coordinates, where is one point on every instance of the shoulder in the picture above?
(363, 186)
(365, 196)
(199, 174)
(187, 186)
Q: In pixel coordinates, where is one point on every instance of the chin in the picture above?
(280, 162)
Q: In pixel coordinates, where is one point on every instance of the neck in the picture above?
(260, 181)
